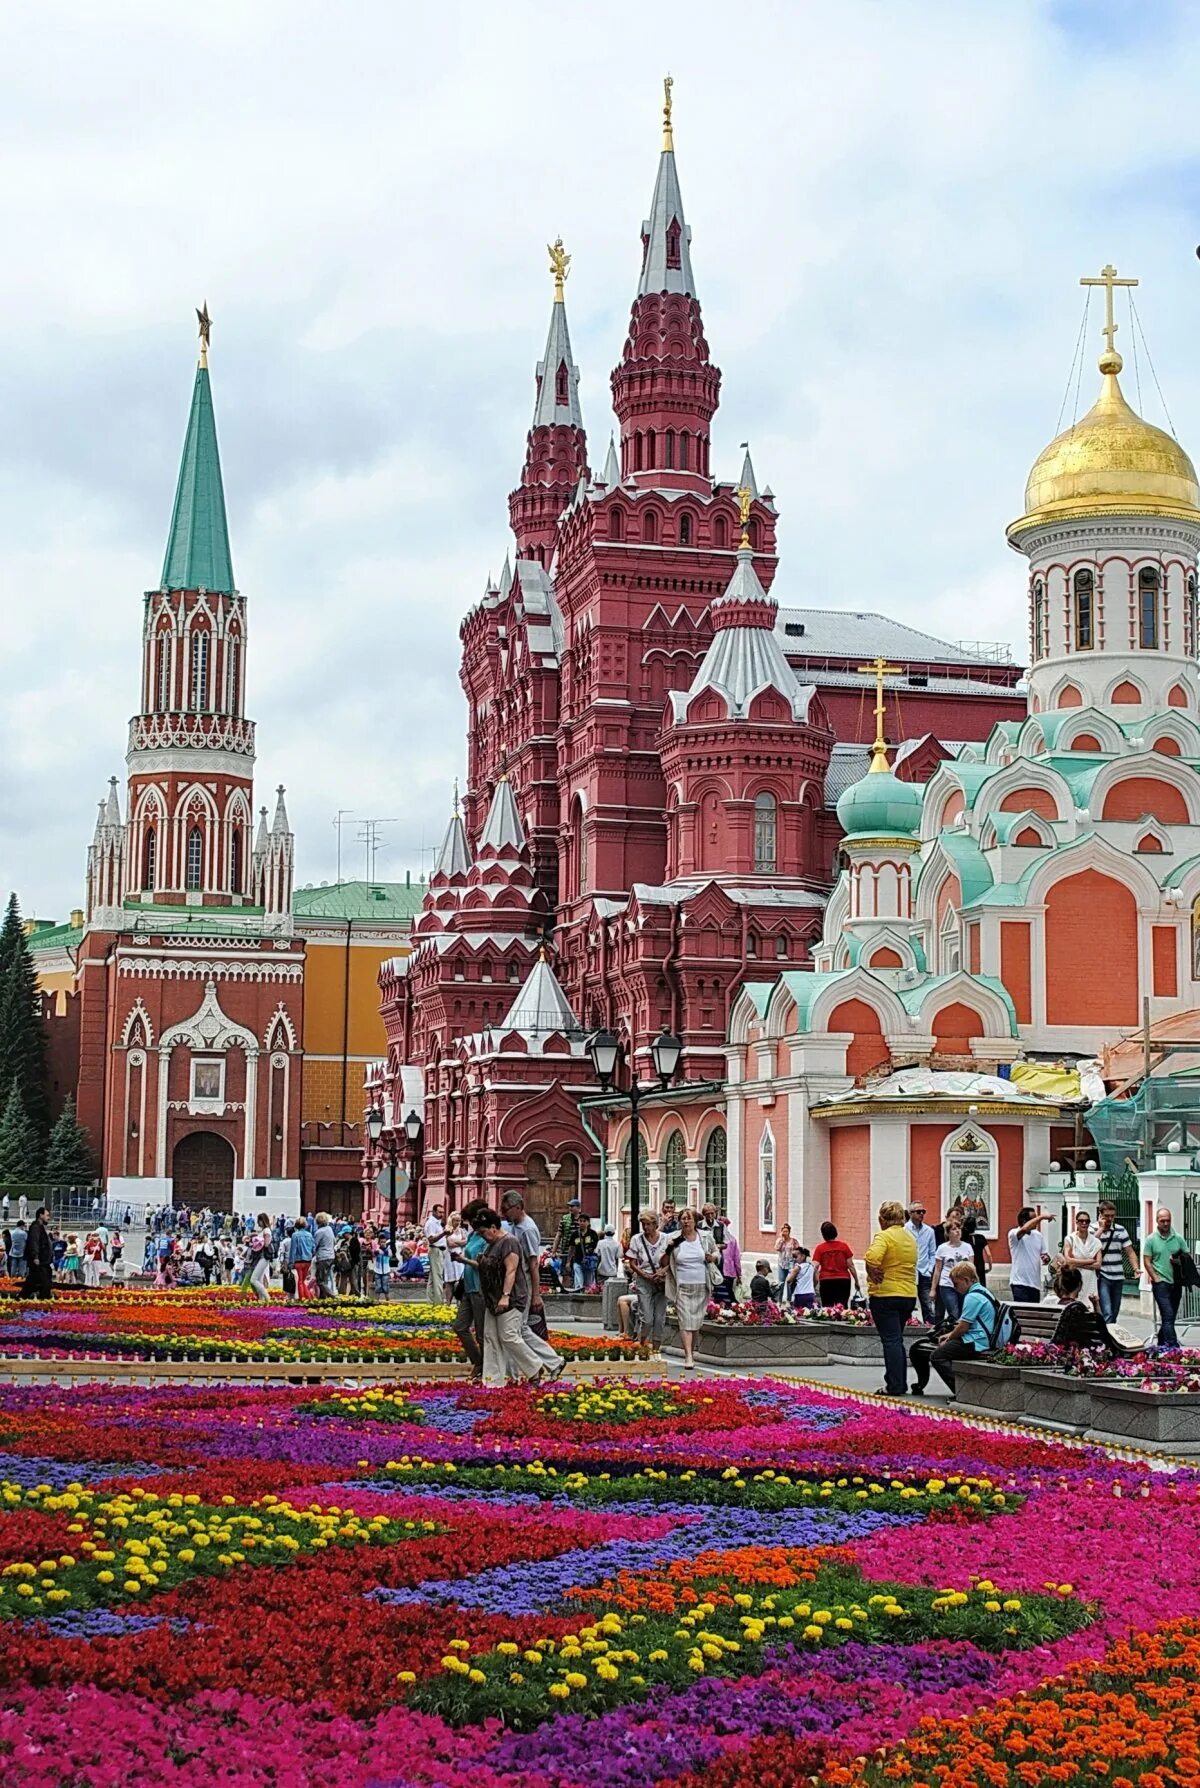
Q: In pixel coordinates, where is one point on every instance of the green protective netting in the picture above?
(1162, 1112)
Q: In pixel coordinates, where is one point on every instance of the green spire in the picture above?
(198, 545)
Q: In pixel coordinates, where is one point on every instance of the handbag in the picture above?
(713, 1273)
(289, 1282)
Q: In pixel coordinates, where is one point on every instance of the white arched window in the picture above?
(198, 681)
(162, 672)
(233, 647)
(716, 1171)
(194, 868)
(764, 834)
(675, 1171)
(766, 1182)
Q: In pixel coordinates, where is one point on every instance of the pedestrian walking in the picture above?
(835, 1269)
(926, 1254)
(324, 1250)
(434, 1229)
(1028, 1255)
(1116, 1251)
(693, 1269)
(648, 1276)
(510, 1347)
(1159, 1251)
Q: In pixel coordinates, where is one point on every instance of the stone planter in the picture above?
(1128, 1412)
(752, 1344)
(852, 1344)
(1057, 1400)
(584, 1307)
(992, 1389)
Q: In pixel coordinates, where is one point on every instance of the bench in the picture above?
(1039, 1322)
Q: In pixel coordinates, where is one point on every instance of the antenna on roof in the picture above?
(339, 820)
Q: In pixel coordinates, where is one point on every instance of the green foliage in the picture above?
(20, 1149)
(23, 1044)
(69, 1158)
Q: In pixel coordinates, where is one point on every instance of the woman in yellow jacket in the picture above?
(891, 1262)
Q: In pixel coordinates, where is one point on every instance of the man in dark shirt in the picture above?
(39, 1254)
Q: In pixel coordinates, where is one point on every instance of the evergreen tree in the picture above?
(20, 1150)
(23, 1045)
(69, 1158)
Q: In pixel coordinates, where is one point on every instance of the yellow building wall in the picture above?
(366, 1040)
(60, 983)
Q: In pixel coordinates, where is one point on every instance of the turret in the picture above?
(106, 863)
(556, 447)
(1111, 530)
(666, 390)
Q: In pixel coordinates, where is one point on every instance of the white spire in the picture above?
(112, 812)
(454, 858)
(748, 481)
(558, 376)
(506, 576)
(281, 818)
(260, 842)
(503, 829)
(541, 1007)
(612, 465)
(666, 253)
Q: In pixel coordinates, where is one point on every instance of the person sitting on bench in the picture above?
(1080, 1324)
(983, 1326)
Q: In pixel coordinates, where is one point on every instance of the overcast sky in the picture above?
(891, 205)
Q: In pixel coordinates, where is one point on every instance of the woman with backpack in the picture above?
(262, 1253)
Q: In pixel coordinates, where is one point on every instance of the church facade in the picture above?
(1038, 898)
(652, 750)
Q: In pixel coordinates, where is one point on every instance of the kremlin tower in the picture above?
(190, 977)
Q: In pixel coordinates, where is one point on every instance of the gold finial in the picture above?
(560, 266)
(668, 139)
(879, 668)
(745, 496)
(1110, 360)
(205, 322)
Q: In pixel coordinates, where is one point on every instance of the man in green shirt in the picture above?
(1158, 1251)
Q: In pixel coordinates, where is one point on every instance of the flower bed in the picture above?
(715, 1585)
(231, 1325)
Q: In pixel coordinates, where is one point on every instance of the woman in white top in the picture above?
(949, 1254)
(1082, 1249)
(784, 1249)
(688, 1258)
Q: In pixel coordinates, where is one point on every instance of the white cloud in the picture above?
(890, 208)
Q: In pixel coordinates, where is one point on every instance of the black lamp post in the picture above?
(604, 1047)
(414, 1129)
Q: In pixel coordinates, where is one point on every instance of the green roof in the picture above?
(198, 545)
(55, 937)
(359, 900)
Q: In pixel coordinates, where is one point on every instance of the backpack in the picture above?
(1006, 1326)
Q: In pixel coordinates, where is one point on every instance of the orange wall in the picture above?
(1139, 795)
(868, 1048)
(850, 1184)
(1091, 951)
(324, 1016)
(1031, 800)
(955, 1028)
(925, 1165)
(1015, 970)
(1166, 979)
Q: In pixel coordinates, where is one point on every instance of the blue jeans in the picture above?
(949, 1300)
(889, 1316)
(924, 1281)
(1167, 1299)
(1109, 1292)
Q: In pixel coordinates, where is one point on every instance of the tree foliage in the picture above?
(20, 1147)
(69, 1158)
(23, 1044)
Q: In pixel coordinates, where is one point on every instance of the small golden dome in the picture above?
(1110, 462)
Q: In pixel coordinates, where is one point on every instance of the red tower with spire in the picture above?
(190, 976)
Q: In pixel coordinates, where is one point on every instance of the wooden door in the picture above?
(202, 1172)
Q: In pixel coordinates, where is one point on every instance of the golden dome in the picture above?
(1110, 462)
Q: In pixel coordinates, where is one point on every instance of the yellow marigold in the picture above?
(575, 1679)
(406, 1676)
(559, 1690)
(1012, 1606)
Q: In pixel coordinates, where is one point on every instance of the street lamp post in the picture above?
(604, 1047)
(413, 1131)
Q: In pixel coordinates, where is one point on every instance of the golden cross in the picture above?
(560, 266)
(205, 322)
(1108, 279)
(879, 668)
(668, 139)
(745, 496)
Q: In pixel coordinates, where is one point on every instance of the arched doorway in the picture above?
(546, 1193)
(202, 1172)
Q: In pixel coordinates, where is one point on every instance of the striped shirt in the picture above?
(1112, 1251)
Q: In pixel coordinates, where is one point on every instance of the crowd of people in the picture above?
(943, 1271)
(43, 1255)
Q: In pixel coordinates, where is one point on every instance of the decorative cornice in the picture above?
(968, 1105)
(179, 968)
(192, 732)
